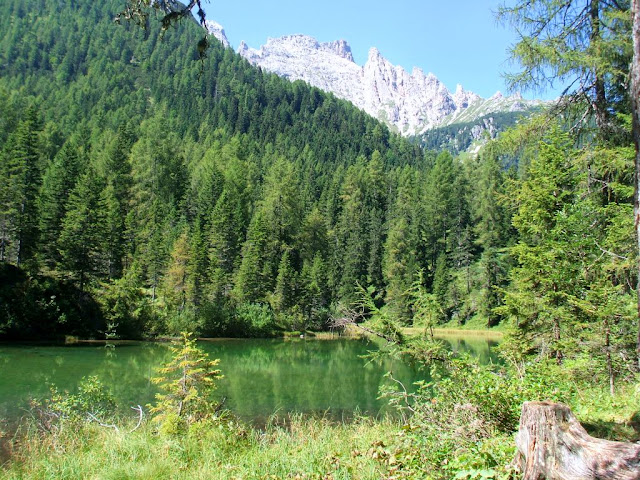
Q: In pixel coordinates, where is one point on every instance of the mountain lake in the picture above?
(262, 377)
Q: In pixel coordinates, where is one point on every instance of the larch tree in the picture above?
(584, 45)
(579, 44)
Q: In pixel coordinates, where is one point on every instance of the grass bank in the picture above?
(296, 448)
(303, 448)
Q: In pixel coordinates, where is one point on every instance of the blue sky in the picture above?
(458, 41)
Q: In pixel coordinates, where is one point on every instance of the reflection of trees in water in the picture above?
(478, 347)
(303, 375)
(260, 375)
(127, 371)
(28, 372)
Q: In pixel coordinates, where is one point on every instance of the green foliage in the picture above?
(255, 319)
(306, 448)
(427, 310)
(21, 157)
(92, 398)
(582, 46)
(91, 403)
(186, 381)
(217, 198)
(83, 230)
(458, 137)
(38, 307)
(460, 424)
(565, 296)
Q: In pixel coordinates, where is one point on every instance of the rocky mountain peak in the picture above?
(463, 98)
(410, 103)
(340, 48)
(215, 29)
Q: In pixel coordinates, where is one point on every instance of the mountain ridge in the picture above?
(409, 103)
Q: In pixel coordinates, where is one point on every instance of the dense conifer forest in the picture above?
(146, 191)
(156, 192)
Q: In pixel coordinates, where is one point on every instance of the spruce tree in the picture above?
(58, 181)
(546, 277)
(23, 163)
(116, 199)
(82, 231)
(225, 241)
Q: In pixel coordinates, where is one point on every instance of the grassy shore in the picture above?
(460, 427)
(296, 448)
(455, 333)
(304, 448)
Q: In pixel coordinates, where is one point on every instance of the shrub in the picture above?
(91, 402)
(186, 382)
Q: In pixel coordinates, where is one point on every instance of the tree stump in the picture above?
(552, 445)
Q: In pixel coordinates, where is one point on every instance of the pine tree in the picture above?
(314, 296)
(352, 253)
(198, 265)
(252, 281)
(225, 240)
(157, 189)
(186, 383)
(286, 293)
(399, 267)
(546, 276)
(440, 213)
(116, 199)
(493, 231)
(400, 263)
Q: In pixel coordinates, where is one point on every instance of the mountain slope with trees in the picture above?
(178, 191)
(147, 191)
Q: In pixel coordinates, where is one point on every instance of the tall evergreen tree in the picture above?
(117, 196)
(492, 229)
(400, 263)
(545, 276)
(158, 183)
(58, 182)
(225, 240)
(83, 231)
(252, 280)
(23, 159)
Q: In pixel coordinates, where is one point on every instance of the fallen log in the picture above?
(552, 445)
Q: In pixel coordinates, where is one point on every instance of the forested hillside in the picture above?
(178, 193)
(146, 192)
(460, 137)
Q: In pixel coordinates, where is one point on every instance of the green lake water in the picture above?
(261, 377)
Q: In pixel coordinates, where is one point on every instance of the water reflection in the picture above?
(262, 377)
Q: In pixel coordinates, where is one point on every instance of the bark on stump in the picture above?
(552, 445)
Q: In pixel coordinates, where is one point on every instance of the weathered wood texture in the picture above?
(552, 445)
